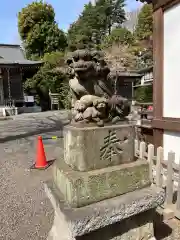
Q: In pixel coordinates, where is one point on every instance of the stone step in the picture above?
(129, 216)
(83, 188)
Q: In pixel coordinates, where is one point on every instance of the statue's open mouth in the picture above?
(78, 69)
(82, 66)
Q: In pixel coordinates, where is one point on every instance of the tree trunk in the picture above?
(109, 29)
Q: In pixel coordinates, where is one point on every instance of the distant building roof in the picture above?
(11, 54)
(145, 70)
(124, 73)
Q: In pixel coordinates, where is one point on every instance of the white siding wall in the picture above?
(171, 142)
(147, 78)
(171, 86)
(171, 76)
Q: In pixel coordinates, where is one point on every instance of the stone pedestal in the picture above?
(129, 216)
(99, 190)
(83, 188)
(92, 148)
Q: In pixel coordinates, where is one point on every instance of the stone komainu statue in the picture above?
(93, 98)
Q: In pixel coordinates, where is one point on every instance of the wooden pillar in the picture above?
(133, 90)
(9, 86)
(1, 88)
(22, 84)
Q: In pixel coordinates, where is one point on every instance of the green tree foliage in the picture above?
(54, 59)
(47, 78)
(39, 31)
(143, 46)
(145, 59)
(144, 26)
(79, 36)
(81, 31)
(112, 12)
(144, 94)
(95, 22)
(119, 36)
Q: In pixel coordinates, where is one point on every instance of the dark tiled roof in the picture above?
(13, 54)
(25, 62)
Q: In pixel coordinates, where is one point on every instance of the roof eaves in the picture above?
(125, 73)
(10, 45)
(20, 63)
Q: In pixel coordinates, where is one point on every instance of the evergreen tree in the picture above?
(113, 13)
(39, 31)
(119, 36)
(144, 26)
(95, 22)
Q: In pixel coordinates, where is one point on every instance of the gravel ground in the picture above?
(26, 213)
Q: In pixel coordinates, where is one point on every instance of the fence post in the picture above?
(178, 190)
(159, 167)
(169, 185)
(136, 147)
(142, 150)
(150, 160)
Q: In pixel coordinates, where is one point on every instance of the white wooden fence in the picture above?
(163, 173)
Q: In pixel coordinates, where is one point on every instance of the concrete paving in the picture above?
(25, 125)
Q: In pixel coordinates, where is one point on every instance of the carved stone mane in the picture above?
(89, 81)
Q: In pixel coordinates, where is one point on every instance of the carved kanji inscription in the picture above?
(112, 146)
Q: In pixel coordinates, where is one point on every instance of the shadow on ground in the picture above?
(57, 125)
(161, 229)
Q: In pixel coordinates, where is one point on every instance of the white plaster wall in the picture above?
(142, 80)
(171, 142)
(171, 88)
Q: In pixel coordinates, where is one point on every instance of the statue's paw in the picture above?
(116, 119)
(86, 120)
(78, 117)
(79, 106)
(100, 123)
(87, 114)
(106, 120)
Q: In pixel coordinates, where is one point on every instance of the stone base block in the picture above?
(83, 188)
(89, 148)
(129, 216)
(168, 214)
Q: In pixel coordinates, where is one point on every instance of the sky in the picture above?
(66, 11)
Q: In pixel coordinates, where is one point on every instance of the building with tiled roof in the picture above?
(13, 68)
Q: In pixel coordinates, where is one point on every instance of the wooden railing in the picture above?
(162, 173)
(145, 115)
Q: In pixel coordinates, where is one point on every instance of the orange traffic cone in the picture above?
(41, 162)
